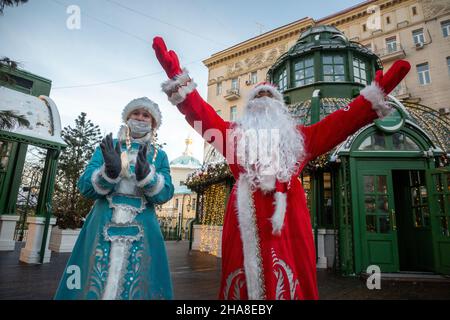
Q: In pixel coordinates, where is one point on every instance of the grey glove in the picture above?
(111, 157)
(142, 167)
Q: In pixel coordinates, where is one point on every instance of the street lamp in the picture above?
(180, 217)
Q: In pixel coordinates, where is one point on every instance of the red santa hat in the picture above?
(266, 86)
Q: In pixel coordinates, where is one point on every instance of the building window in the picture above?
(304, 71)
(219, 88)
(448, 65)
(234, 83)
(281, 80)
(333, 68)
(193, 203)
(445, 25)
(359, 71)
(388, 20)
(253, 77)
(423, 71)
(391, 44)
(219, 112)
(418, 36)
(364, 27)
(233, 113)
(176, 203)
(414, 11)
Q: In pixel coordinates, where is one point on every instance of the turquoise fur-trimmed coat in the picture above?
(120, 252)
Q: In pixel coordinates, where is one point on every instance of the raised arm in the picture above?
(180, 89)
(368, 106)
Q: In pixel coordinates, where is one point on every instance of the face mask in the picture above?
(139, 127)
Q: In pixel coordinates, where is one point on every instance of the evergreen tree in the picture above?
(10, 3)
(70, 207)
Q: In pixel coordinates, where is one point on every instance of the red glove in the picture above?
(167, 59)
(393, 76)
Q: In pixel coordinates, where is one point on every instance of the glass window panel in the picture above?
(309, 72)
(299, 75)
(355, 63)
(418, 218)
(363, 74)
(339, 78)
(328, 78)
(369, 202)
(385, 224)
(299, 65)
(369, 184)
(327, 59)
(339, 69)
(300, 82)
(309, 80)
(327, 69)
(382, 184)
(374, 142)
(356, 72)
(371, 223)
(338, 59)
(383, 204)
(309, 62)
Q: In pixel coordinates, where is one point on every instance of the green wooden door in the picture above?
(438, 183)
(377, 219)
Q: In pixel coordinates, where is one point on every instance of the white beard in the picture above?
(269, 145)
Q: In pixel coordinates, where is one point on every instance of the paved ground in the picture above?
(196, 276)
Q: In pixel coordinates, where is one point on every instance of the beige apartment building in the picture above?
(415, 30)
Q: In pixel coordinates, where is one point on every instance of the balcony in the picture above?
(391, 53)
(232, 94)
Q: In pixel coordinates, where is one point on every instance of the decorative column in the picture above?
(7, 227)
(36, 249)
(32, 251)
(8, 196)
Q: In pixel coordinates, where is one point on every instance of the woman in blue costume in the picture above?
(120, 252)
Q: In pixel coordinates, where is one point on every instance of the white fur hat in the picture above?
(144, 103)
(266, 86)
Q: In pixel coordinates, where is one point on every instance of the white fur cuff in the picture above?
(96, 185)
(375, 95)
(108, 179)
(178, 88)
(148, 178)
(157, 187)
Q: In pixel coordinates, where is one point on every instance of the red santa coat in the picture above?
(257, 264)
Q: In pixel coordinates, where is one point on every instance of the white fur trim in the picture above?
(280, 212)
(375, 95)
(148, 178)
(145, 103)
(95, 185)
(157, 187)
(267, 183)
(250, 240)
(275, 93)
(118, 258)
(184, 84)
(108, 179)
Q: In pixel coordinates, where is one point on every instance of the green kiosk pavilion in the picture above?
(382, 197)
(27, 95)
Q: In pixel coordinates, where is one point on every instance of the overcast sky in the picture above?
(87, 65)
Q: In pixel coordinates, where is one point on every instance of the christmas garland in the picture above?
(208, 174)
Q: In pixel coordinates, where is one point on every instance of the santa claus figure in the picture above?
(267, 243)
